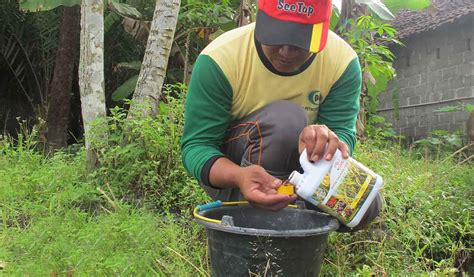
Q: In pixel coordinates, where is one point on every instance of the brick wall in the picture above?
(435, 69)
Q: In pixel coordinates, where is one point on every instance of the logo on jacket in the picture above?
(313, 97)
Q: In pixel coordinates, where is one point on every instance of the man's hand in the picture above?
(315, 137)
(260, 189)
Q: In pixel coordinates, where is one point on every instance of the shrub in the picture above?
(142, 160)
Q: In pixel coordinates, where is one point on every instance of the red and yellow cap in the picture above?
(301, 23)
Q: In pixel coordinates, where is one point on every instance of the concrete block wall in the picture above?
(435, 69)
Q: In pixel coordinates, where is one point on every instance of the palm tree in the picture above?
(61, 86)
(91, 74)
(27, 46)
(155, 61)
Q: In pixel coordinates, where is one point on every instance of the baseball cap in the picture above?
(300, 23)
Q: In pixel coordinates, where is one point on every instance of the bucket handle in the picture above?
(217, 204)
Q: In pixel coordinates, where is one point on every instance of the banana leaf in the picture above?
(395, 5)
(378, 8)
(45, 5)
(126, 89)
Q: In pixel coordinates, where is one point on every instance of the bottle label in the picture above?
(345, 189)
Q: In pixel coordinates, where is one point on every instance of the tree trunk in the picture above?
(59, 106)
(91, 75)
(346, 13)
(153, 71)
(243, 14)
(351, 10)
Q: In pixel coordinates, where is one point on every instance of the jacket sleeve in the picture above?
(341, 106)
(207, 116)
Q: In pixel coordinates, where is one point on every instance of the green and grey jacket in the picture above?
(232, 78)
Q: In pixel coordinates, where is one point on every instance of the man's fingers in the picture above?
(322, 136)
(321, 143)
(344, 149)
(267, 200)
(333, 144)
(308, 140)
(276, 183)
(285, 204)
(314, 138)
(279, 205)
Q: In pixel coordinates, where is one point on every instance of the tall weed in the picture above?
(425, 224)
(33, 185)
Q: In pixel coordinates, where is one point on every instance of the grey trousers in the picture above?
(269, 137)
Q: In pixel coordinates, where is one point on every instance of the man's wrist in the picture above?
(239, 174)
(225, 174)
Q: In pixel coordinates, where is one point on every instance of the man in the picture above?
(262, 93)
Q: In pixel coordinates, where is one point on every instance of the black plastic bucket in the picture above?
(256, 242)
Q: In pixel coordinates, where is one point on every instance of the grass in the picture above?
(133, 215)
(125, 242)
(54, 221)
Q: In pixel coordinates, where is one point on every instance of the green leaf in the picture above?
(125, 10)
(334, 20)
(227, 26)
(439, 133)
(377, 119)
(381, 83)
(110, 20)
(45, 5)
(469, 107)
(448, 109)
(454, 140)
(380, 31)
(429, 141)
(390, 32)
(126, 89)
(164, 109)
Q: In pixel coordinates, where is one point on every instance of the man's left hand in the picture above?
(315, 138)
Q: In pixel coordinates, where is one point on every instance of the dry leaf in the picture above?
(137, 28)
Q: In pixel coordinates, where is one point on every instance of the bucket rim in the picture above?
(332, 225)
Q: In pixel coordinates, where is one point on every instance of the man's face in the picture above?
(285, 58)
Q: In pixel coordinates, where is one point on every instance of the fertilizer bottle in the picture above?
(342, 188)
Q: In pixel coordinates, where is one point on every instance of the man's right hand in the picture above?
(256, 185)
(260, 189)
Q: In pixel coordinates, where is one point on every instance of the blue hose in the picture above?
(211, 205)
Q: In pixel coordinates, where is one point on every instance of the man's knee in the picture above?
(372, 212)
(283, 120)
(272, 140)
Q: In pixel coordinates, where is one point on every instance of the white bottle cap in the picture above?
(296, 179)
